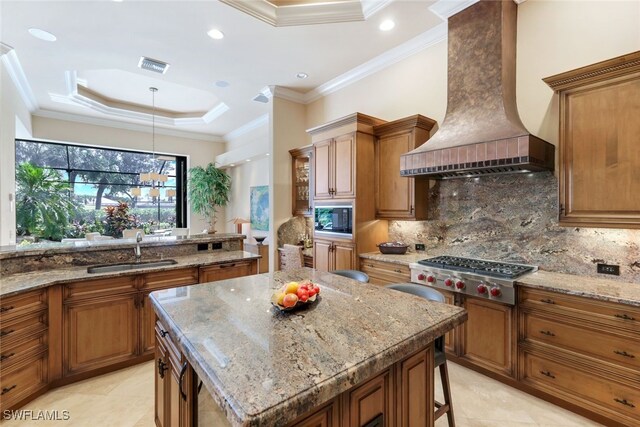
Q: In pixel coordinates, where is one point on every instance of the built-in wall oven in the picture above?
(333, 219)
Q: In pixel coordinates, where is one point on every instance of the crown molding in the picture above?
(380, 62)
(288, 94)
(308, 14)
(263, 120)
(444, 9)
(97, 121)
(9, 58)
(79, 95)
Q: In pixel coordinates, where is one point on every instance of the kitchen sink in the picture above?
(110, 268)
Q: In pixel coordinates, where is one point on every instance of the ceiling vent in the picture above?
(261, 97)
(153, 65)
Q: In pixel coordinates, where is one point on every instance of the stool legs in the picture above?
(445, 407)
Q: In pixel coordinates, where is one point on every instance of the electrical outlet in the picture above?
(609, 269)
(203, 246)
(216, 245)
(419, 246)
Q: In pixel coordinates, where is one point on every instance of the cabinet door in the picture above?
(344, 171)
(416, 389)
(322, 255)
(450, 337)
(325, 417)
(161, 369)
(99, 333)
(369, 401)
(343, 257)
(322, 169)
(228, 270)
(487, 336)
(394, 192)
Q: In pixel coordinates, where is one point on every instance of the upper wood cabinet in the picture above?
(398, 197)
(301, 179)
(336, 146)
(599, 149)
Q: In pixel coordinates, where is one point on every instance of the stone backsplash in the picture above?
(515, 218)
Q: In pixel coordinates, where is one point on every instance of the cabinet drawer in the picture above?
(23, 380)
(624, 316)
(602, 345)
(169, 345)
(227, 271)
(386, 271)
(22, 304)
(98, 288)
(14, 331)
(616, 400)
(169, 278)
(16, 352)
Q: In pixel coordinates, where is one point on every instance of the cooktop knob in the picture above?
(495, 291)
(448, 282)
(460, 284)
(431, 279)
(421, 276)
(482, 288)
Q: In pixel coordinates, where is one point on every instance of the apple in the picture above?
(289, 300)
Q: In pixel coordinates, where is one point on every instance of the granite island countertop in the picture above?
(264, 367)
(22, 282)
(588, 287)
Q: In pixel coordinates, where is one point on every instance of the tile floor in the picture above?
(125, 399)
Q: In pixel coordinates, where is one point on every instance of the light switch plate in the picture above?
(419, 246)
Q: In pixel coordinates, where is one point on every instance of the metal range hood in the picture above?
(481, 133)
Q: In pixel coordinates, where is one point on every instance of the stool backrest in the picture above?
(419, 290)
(353, 274)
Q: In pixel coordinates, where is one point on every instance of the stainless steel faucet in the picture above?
(137, 250)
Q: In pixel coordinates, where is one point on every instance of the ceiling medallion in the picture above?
(282, 13)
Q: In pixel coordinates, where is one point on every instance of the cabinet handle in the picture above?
(8, 389)
(624, 316)
(548, 333)
(411, 209)
(548, 374)
(161, 367)
(397, 270)
(548, 301)
(370, 265)
(624, 353)
(227, 265)
(4, 309)
(6, 356)
(624, 402)
(163, 333)
(182, 372)
(5, 333)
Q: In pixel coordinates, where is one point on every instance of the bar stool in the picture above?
(353, 274)
(440, 358)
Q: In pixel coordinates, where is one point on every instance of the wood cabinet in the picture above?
(175, 389)
(415, 390)
(263, 251)
(371, 401)
(329, 255)
(487, 340)
(398, 197)
(384, 273)
(302, 181)
(23, 347)
(334, 167)
(581, 353)
(599, 127)
(228, 270)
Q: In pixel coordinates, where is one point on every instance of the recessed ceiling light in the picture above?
(248, 160)
(215, 34)
(302, 75)
(387, 25)
(268, 154)
(118, 1)
(42, 34)
(232, 164)
(222, 83)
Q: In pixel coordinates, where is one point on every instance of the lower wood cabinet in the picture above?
(370, 401)
(228, 270)
(329, 255)
(384, 273)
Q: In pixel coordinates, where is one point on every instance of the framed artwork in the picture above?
(259, 203)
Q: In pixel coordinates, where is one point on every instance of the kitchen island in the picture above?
(358, 354)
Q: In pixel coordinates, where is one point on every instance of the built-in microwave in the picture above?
(334, 218)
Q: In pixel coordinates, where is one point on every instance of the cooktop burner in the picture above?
(486, 268)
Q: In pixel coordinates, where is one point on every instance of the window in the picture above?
(90, 180)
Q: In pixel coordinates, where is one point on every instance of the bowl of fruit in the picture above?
(295, 295)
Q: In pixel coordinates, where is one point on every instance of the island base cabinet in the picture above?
(372, 401)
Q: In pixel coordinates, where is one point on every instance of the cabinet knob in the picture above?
(163, 333)
(548, 333)
(548, 301)
(547, 374)
(161, 367)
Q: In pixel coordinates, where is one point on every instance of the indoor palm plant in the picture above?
(209, 189)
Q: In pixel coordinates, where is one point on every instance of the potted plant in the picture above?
(209, 188)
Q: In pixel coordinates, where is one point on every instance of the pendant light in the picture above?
(155, 179)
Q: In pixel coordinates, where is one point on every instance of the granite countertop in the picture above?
(589, 287)
(266, 368)
(22, 282)
(37, 249)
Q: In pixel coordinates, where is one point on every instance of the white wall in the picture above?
(11, 109)
(198, 152)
